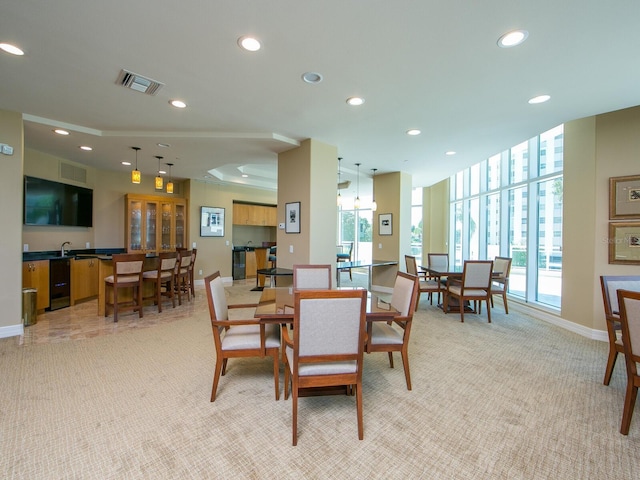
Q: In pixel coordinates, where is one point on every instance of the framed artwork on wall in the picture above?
(624, 243)
(211, 222)
(292, 217)
(624, 197)
(385, 226)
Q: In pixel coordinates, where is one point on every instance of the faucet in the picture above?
(62, 248)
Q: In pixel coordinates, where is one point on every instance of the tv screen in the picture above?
(54, 203)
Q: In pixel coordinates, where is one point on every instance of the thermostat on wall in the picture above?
(281, 226)
(6, 149)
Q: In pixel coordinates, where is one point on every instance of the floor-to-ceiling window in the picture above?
(416, 224)
(511, 205)
(355, 225)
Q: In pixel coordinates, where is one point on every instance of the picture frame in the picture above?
(385, 224)
(624, 243)
(624, 197)
(292, 217)
(211, 222)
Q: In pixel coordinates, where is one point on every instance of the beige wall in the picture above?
(435, 208)
(11, 167)
(393, 195)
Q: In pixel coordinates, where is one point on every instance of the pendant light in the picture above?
(374, 205)
(170, 182)
(159, 182)
(356, 203)
(339, 200)
(135, 174)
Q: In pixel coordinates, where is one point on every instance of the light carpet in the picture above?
(515, 399)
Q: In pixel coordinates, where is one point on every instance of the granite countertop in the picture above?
(102, 253)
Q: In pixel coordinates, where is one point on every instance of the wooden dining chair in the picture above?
(393, 336)
(312, 276)
(610, 284)
(183, 275)
(127, 274)
(327, 345)
(162, 279)
(425, 285)
(475, 285)
(345, 256)
(238, 338)
(629, 303)
(500, 281)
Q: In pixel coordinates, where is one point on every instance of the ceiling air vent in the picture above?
(138, 82)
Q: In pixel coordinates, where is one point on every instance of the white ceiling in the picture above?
(432, 65)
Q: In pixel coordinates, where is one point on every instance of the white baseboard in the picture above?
(558, 321)
(12, 331)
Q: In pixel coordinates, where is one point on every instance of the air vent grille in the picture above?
(138, 82)
(71, 172)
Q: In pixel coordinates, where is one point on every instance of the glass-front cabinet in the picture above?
(155, 224)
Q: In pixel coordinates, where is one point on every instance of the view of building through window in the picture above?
(510, 205)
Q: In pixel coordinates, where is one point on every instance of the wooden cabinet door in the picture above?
(241, 214)
(251, 267)
(180, 234)
(84, 279)
(36, 275)
(133, 224)
(271, 216)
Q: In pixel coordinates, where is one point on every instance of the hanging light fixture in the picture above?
(339, 200)
(356, 203)
(374, 205)
(135, 174)
(159, 182)
(170, 182)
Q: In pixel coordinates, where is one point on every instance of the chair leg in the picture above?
(159, 295)
(504, 300)
(461, 307)
(287, 376)
(488, 310)
(216, 377)
(138, 291)
(405, 364)
(359, 410)
(276, 373)
(390, 359)
(224, 366)
(611, 362)
(115, 304)
(629, 404)
(294, 412)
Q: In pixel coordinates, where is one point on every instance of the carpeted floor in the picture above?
(515, 399)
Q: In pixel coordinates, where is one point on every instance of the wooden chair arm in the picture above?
(235, 323)
(243, 305)
(286, 339)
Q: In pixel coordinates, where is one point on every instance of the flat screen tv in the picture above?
(54, 203)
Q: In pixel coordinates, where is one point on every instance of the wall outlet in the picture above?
(290, 248)
(199, 272)
(227, 243)
(87, 245)
(193, 245)
(379, 245)
(25, 247)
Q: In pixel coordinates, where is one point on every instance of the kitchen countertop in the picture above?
(102, 253)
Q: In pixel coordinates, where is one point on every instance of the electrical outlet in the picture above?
(199, 272)
(379, 245)
(290, 248)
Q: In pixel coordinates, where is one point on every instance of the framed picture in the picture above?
(292, 217)
(386, 226)
(624, 243)
(211, 222)
(624, 197)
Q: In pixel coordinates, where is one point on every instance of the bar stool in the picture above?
(127, 273)
(163, 276)
(183, 275)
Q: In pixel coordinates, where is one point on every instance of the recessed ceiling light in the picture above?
(511, 39)
(126, 163)
(162, 172)
(60, 131)
(178, 103)
(414, 131)
(163, 145)
(86, 148)
(244, 175)
(312, 77)
(539, 99)
(355, 101)
(450, 152)
(249, 43)
(12, 49)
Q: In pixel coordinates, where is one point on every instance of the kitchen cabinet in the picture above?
(35, 274)
(84, 279)
(256, 215)
(155, 224)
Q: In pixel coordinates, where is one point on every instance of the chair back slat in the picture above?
(404, 295)
(410, 262)
(477, 273)
(630, 314)
(439, 261)
(611, 284)
(312, 276)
